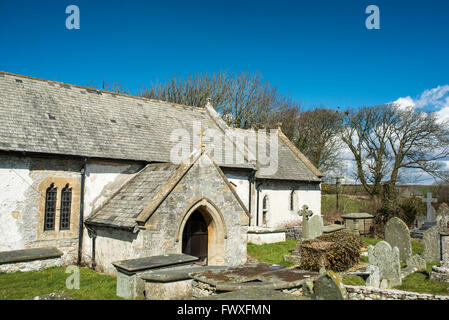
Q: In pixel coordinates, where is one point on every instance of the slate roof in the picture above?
(291, 165)
(122, 209)
(138, 199)
(51, 117)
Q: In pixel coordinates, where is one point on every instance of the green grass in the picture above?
(363, 259)
(329, 201)
(272, 252)
(25, 285)
(353, 281)
(417, 247)
(420, 282)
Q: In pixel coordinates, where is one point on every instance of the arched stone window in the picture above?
(66, 206)
(293, 201)
(50, 208)
(265, 208)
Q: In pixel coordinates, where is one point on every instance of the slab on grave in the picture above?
(26, 255)
(254, 276)
(332, 228)
(30, 259)
(398, 235)
(129, 283)
(387, 260)
(255, 294)
(172, 283)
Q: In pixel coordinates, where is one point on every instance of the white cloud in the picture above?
(405, 102)
(436, 100)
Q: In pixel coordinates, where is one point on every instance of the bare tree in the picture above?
(315, 132)
(244, 100)
(386, 140)
(106, 86)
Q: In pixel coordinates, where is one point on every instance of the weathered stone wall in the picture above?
(23, 184)
(159, 237)
(31, 265)
(293, 233)
(279, 213)
(371, 293)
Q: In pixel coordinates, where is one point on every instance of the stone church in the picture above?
(92, 173)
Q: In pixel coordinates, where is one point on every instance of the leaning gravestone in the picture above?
(329, 287)
(398, 235)
(387, 260)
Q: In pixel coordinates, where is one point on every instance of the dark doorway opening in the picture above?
(195, 237)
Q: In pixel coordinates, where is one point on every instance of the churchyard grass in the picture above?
(353, 280)
(417, 247)
(26, 285)
(272, 252)
(420, 282)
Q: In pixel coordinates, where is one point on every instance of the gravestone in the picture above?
(431, 244)
(329, 287)
(398, 235)
(312, 225)
(418, 262)
(441, 272)
(387, 260)
(373, 279)
(431, 216)
(431, 237)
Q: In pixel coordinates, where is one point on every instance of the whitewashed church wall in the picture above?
(242, 184)
(103, 179)
(279, 214)
(23, 184)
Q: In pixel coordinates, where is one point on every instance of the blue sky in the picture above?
(318, 52)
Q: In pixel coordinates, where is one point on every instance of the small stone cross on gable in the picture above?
(430, 211)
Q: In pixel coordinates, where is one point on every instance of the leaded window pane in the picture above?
(66, 205)
(50, 208)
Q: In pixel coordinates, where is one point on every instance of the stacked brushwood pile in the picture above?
(338, 251)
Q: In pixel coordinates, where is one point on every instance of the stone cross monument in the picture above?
(430, 218)
(430, 211)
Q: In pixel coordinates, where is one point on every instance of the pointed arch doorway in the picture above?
(195, 237)
(202, 231)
